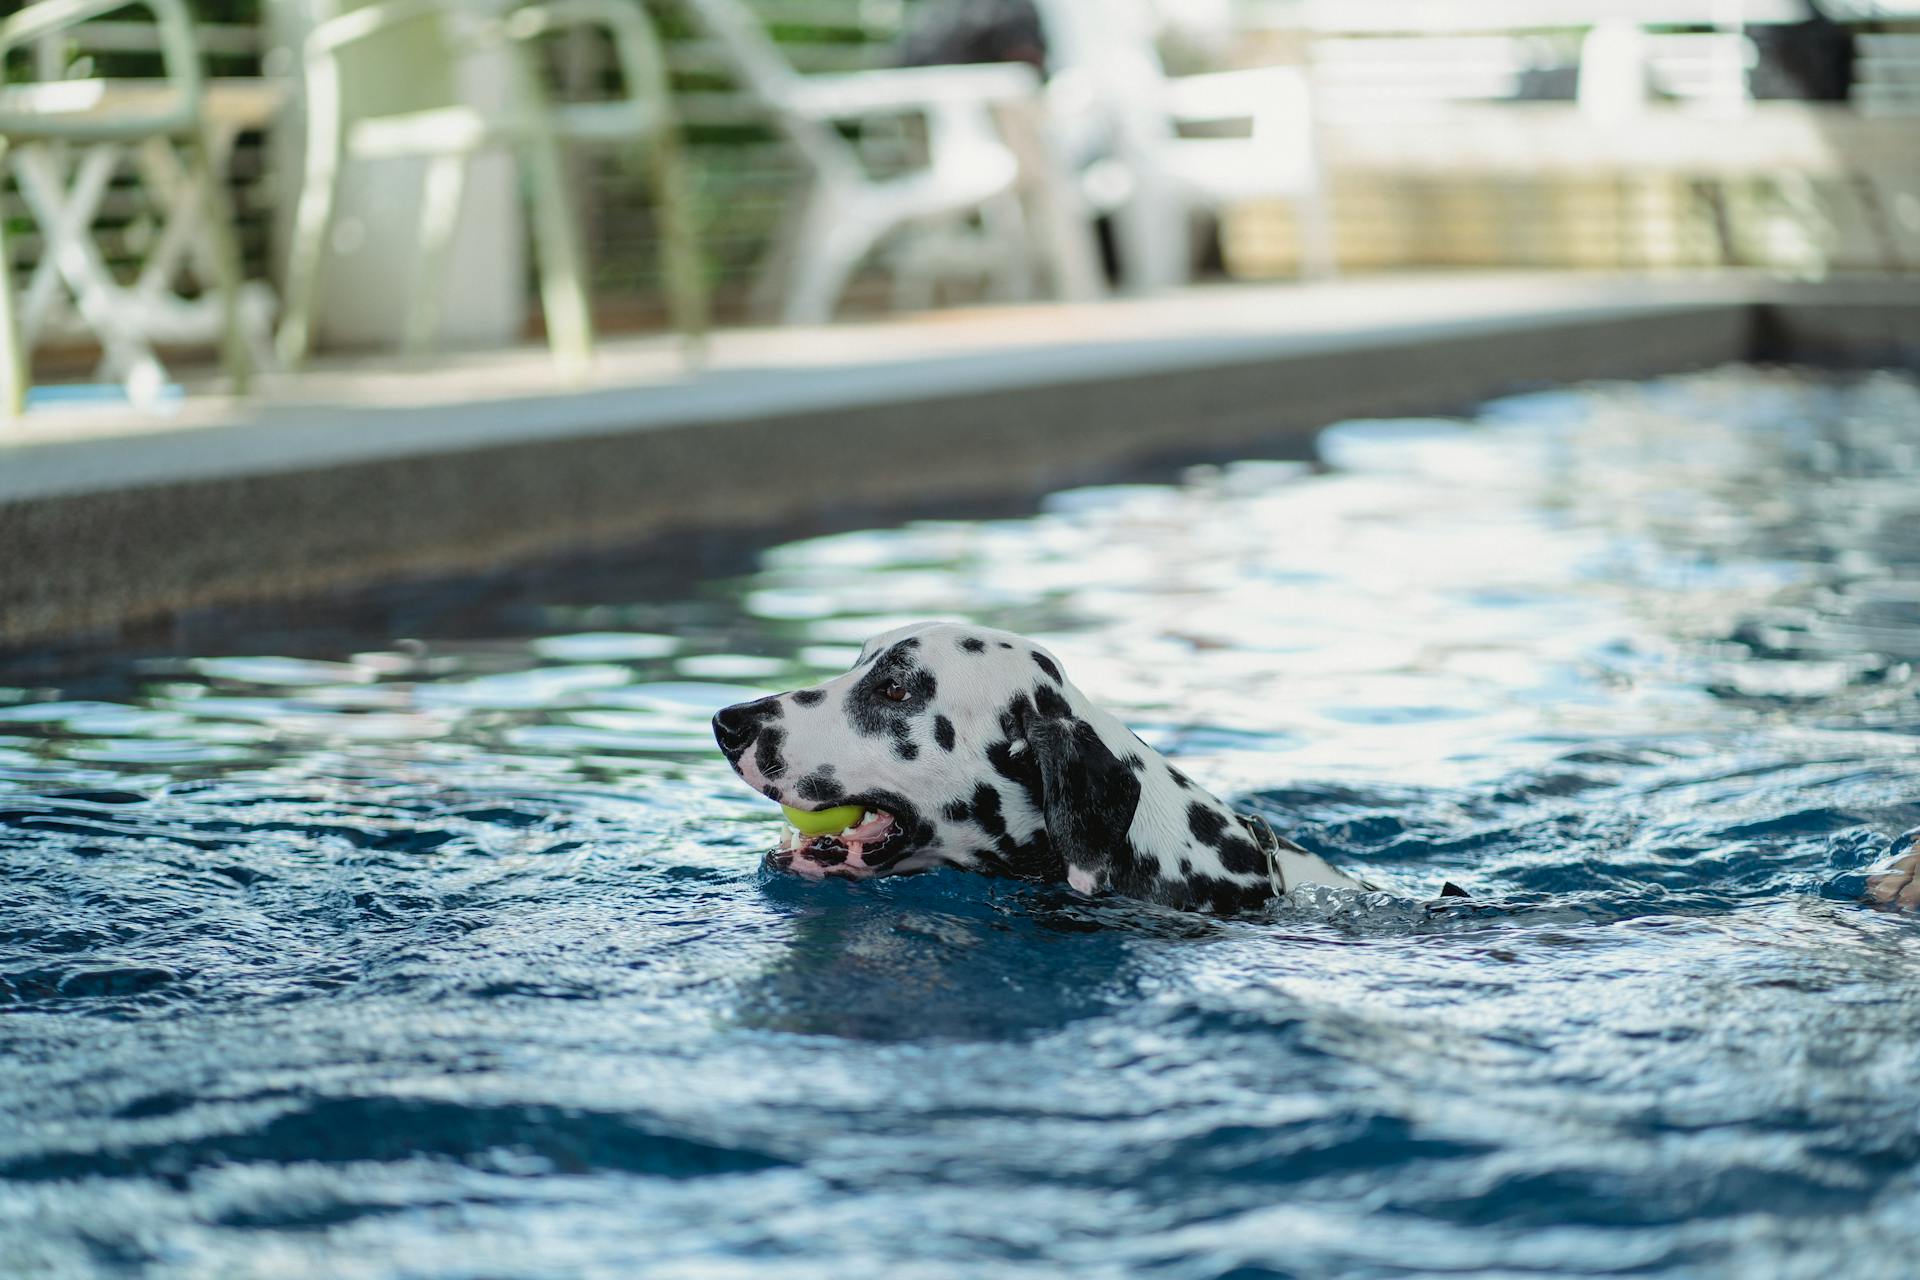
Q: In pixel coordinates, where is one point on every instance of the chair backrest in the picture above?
(179, 53)
(1111, 39)
(757, 61)
(1365, 77)
(385, 58)
(1104, 62)
(645, 103)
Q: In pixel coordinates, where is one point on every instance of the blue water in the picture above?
(442, 947)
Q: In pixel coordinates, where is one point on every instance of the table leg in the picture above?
(13, 365)
(1061, 216)
(67, 222)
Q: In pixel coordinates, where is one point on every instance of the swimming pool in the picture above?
(348, 954)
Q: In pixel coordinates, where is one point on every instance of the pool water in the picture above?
(452, 954)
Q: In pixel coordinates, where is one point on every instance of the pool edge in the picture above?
(89, 561)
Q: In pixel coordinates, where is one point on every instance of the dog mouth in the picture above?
(869, 847)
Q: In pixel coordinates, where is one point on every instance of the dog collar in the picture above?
(1269, 843)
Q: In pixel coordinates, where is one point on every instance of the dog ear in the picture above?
(1088, 796)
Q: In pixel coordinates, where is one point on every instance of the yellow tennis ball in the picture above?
(824, 822)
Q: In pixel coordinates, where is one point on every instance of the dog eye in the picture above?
(894, 692)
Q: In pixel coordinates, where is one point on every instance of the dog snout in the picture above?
(735, 727)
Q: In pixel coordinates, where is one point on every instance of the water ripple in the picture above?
(446, 948)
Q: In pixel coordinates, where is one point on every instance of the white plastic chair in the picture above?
(528, 124)
(1109, 83)
(102, 118)
(1623, 68)
(846, 212)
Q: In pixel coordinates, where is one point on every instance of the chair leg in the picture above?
(225, 252)
(563, 289)
(831, 245)
(1005, 222)
(439, 220)
(681, 266)
(312, 224)
(773, 277)
(13, 364)
(1154, 236)
(66, 216)
(1318, 258)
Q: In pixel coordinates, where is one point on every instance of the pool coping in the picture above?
(111, 524)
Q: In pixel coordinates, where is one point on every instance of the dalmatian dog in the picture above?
(969, 747)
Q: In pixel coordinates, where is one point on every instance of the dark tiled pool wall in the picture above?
(99, 562)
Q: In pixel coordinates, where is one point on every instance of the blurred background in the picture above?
(427, 172)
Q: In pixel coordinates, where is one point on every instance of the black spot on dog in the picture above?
(991, 862)
(986, 811)
(957, 811)
(1013, 720)
(766, 753)
(871, 713)
(1210, 893)
(1050, 704)
(1088, 798)
(1045, 663)
(1005, 645)
(1031, 859)
(1132, 873)
(1206, 823)
(1241, 857)
(1180, 779)
(974, 644)
(1135, 763)
(810, 697)
(820, 785)
(1016, 767)
(943, 732)
(1238, 854)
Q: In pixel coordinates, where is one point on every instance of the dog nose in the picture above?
(735, 727)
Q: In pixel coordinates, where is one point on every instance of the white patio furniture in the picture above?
(1110, 85)
(527, 124)
(65, 139)
(988, 154)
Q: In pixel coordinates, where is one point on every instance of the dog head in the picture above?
(969, 747)
(929, 731)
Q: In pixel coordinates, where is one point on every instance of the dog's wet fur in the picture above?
(988, 758)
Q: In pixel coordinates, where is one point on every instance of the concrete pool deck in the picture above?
(373, 470)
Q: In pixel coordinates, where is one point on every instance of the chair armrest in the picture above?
(853, 94)
(1235, 95)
